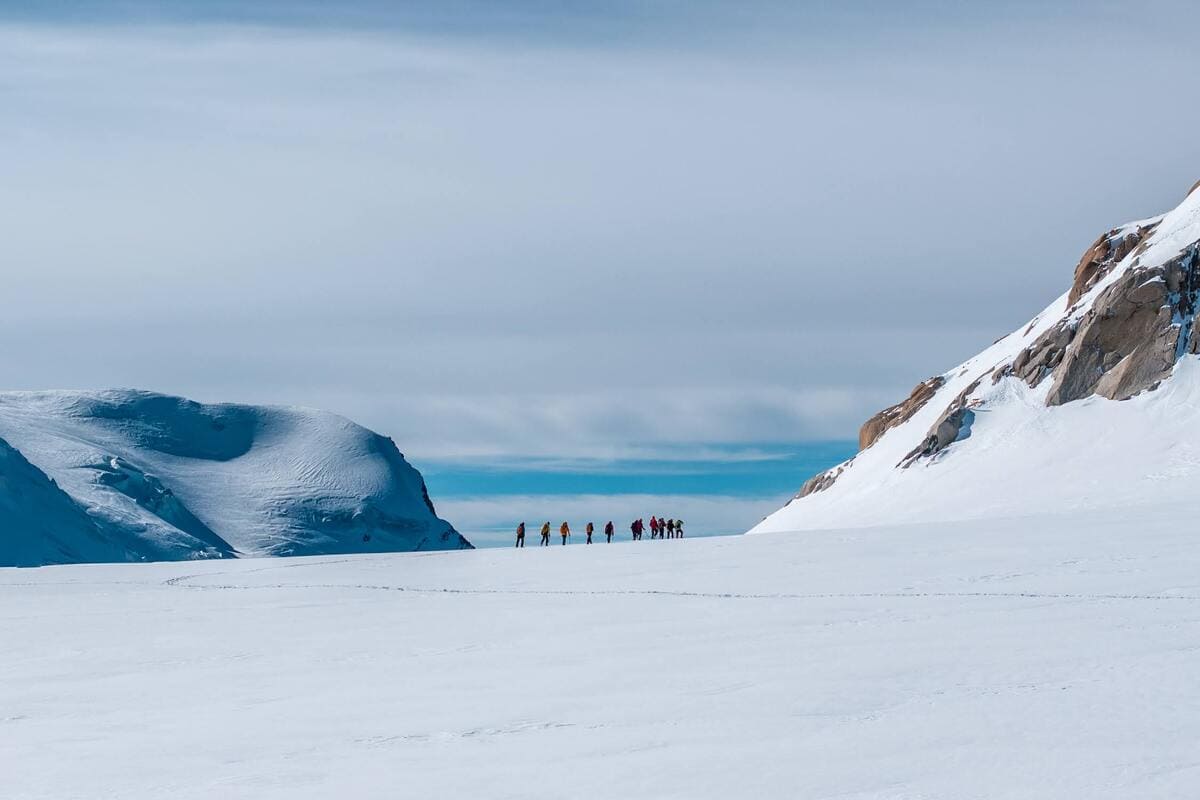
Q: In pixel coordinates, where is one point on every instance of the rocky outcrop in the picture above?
(821, 482)
(1103, 255)
(1130, 338)
(1129, 317)
(902, 412)
(1040, 359)
(953, 425)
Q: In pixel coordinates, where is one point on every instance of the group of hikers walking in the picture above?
(659, 529)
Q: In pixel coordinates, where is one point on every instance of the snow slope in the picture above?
(1020, 453)
(41, 523)
(1013, 659)
(163, 478)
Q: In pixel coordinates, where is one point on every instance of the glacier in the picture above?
(1045, 657)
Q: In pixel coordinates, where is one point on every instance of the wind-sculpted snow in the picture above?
(1027, 658)
(1092, 404)
(170, 425)
(163, 478)
(149, 493)
(42, 524)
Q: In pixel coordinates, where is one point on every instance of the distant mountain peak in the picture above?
(135, 475)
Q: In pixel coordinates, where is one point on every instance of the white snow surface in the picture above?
(161, 477)
(1019, 456)
(1050, 656)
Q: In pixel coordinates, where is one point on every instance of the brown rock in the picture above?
(818, 483)
(1040, 358)
(889, 418)
(821, 482)
(1130, 338)
(1103, 255)
(946, 430)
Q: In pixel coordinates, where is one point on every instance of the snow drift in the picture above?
(1095, 403)
(133, 476)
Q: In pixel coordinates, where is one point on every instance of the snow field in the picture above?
(1047, 656)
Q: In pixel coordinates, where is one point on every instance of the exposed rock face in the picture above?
(822, 481)
(1103, 255)
(949, 428)
(1129, 317)
(1131, 337)
(1041, 358)
(1125, 343)
(889, 418)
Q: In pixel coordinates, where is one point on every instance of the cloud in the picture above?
(502, 244)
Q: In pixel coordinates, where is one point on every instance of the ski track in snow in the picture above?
(184, 581)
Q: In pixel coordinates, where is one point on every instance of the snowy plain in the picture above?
(1038, 657)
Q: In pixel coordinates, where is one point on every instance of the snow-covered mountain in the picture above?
(1095, 403)
(128, 475)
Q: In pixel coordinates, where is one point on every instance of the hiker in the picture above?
(546, 534)
(521, 535)
(653, 527)
(678, 529)
(608, 532)
(564, 531)
(637, 529)
(589, 533)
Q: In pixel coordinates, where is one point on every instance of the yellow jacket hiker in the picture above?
(564, 532)
(546, 533)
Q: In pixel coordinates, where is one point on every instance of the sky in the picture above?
(533, 231)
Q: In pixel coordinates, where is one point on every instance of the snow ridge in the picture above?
(134, 475)
(1095, 403)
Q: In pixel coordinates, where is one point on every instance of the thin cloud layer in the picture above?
(561, 244)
